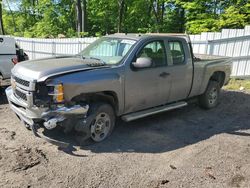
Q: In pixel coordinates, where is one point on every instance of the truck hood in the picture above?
(42, 69)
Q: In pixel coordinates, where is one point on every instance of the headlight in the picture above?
(57, 93)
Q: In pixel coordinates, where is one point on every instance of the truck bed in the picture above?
(204, 66)
(206, 57)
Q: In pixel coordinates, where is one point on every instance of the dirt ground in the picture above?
(189, 147)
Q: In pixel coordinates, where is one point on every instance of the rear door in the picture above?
(148, 87)
(180, 67)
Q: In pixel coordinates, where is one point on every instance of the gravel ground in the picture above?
(188, 147)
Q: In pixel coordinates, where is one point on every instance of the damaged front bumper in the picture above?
(31, 115)
(48, 139)
(53, 117)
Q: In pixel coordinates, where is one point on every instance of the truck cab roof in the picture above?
(137, 36)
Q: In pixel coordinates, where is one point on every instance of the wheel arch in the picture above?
(218, 76)
(109, 97)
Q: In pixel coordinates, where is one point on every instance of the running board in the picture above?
(152, 111)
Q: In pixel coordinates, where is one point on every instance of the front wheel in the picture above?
(100, 126)
(103, 122)
(210, 98)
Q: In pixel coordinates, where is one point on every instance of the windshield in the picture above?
(108, 50)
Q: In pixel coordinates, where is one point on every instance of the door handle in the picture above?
(164, 74)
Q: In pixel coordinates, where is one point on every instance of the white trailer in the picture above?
(10, 54)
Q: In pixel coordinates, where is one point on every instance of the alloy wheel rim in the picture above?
(212, 97)
(100, 127)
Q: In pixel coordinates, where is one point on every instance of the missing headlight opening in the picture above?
(58, 95)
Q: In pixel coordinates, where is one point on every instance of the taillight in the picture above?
(14, 60)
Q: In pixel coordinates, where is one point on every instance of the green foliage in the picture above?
(214, 15)
(102, 16)
(49, 18)
(43, 18)
(232, 18)
(237, 84)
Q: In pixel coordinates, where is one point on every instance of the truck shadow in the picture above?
(176, 129)
(3, 98)
(173, 130)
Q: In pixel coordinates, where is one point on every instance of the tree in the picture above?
(158, 8)
(214, 15)
(121, 6)
(48, 18)
(79, 16)
(1, 19)
(43, 18)
(84, 15)
(12, 15)
(81, 7)
(235, 15)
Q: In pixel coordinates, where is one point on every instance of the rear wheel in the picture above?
(210, 98)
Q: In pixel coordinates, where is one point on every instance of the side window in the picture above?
(156, 51)
(177, 52)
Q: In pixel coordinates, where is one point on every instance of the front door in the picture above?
(148, 87)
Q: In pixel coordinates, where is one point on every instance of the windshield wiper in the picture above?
(98, 59)
(94, 64)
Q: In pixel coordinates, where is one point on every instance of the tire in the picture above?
(210, 98)
(102, 125)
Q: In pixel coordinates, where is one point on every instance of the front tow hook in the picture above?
(50, 140)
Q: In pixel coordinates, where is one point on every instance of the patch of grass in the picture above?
(235, 84)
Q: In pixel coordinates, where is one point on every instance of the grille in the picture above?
(21, 81)
(21, 95)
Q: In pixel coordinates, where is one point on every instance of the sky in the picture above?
(13, 4)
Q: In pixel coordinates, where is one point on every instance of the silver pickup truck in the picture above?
(127, 76)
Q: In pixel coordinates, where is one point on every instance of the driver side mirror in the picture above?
(142, 62)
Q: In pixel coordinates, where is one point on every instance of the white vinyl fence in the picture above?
(230, 42)
(39, 48)
(233, 43)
